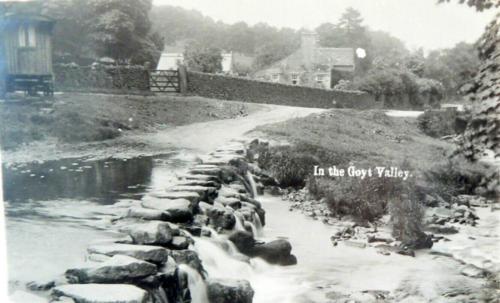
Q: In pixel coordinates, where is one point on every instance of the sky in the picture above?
(419, 23)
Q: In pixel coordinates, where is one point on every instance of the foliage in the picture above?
(291, 166)
(480, 5)
(453, 67)
(121, 30)
(363, 199)
(203, 59)
(436, 123)
(457, 176)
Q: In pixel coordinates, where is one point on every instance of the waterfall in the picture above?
(258, 225)
(253, 186)
(239, 222)
(196, 284)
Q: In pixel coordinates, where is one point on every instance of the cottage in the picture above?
(25, 48)
(311, 65)
(173, 56)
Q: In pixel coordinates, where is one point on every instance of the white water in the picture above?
(197, 287)
(253, 186)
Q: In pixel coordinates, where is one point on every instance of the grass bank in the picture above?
(75, 117)
(369, 139)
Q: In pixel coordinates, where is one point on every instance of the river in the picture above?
(55, 208)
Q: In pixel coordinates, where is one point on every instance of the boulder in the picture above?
(215, 171)
(180, 242)
(188, 257)
(193, 197)
(152, 232)
(102, 293)
(179, 210)
(117, 269)
(205, 183)
(232, 202)
(421, 241)
(147, 253)
(229, 291)
(442, 229)
(274, 252)
(147, 213)
(220, 217)
(199, 177)
(206, 193)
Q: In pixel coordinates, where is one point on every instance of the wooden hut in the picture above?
(25, 48)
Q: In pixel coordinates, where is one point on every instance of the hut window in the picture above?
(27, 36)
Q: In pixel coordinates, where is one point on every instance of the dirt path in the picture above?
(203, 136)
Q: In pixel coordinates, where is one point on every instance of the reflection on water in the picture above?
(103, 181)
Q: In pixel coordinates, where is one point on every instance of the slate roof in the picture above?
(323, 56)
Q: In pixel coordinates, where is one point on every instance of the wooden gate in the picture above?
(164, 81)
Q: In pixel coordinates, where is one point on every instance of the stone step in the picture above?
(117, 269)
(102, 293)
(193, 197)
(148, 253)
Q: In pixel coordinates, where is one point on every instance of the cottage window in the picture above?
(27, 36)
(295, 79)
(320, 78)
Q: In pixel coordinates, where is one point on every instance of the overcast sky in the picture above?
(420, 23)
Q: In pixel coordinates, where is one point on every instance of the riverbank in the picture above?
(76, 118)
(438, 208)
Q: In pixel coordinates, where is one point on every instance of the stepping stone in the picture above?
(234, 203)
(102, 293)
(206, 193)
(179, 210)
(206, 171)
(180, 242)
(206, 166)
(194, 197)
(117, 269)
(199, 183)
(147, 213)
(198, 177)
(152, 232)
(148, 253)
(239, 187)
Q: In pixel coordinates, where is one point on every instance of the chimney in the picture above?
(308, 46)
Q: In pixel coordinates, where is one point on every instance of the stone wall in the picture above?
(70, 77)
(246, 90)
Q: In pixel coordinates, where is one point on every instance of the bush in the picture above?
(458, 176)
(437, 123)
(289, 165)
(366, 200)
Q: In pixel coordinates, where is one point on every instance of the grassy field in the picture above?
(74, 117)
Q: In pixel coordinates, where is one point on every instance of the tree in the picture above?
(203, 59)
(480, 5)
(121, 29)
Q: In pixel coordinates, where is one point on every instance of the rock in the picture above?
(41, 285)
(422, 241)
(64, 299)
(206, 193)
(193, 197)
(116, 270)
(188, 177)
(234, 203)
(152, 232)
(215, 171)
(275, 252)
(205, 183)
(472, 271)
(188, 257)
(357, 244)
(102, 293)
(430, 201)
(229, 291)
(221, 217)
(238, 187)
(406, 252)
(442, 229)
(180, 242)
(20, 296)
(147, 253)
(147, 213)
(179, 210)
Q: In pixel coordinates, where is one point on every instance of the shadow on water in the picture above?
(102, 181)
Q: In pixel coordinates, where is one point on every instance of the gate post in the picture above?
(183, 83)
